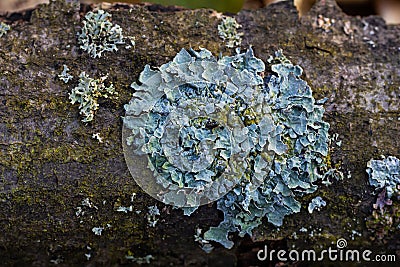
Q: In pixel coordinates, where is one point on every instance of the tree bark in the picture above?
(49, 162)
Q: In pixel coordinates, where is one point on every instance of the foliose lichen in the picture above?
(211, 129)
(65, 76)
(152, 214)
(316, 203)
(204, 244)
(4, 28)
(97, 230)
(99, 34)
(125, 209)
(97, 137)
(88, 92)
(228, 31)
(385, 174)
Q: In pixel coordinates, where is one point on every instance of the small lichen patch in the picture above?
(87, 203)
(88, 256)
(204, 129)
(385, 174)
(88, 92)
(97, 137)
(152, 214)
(228, 31)
(85, 208)
(97, 230)
(316, 203)
(4, 28)
(65, 76)
(99, 34)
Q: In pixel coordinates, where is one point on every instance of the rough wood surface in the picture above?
(49, 162)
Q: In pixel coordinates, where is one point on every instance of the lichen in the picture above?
(97, 230)
(385, 174)
(152, 215)
(140, 260)
(4, 28)
(97, 137)
(228, 31)
(199, 129)
(316, 203)
(125, 209)
(88, 92)
(65, 76)
(99, 34)
(204, 244)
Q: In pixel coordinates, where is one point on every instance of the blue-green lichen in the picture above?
(88, 92)
(316, 203)
(152, 214)
(228, 31)
(4, 28)
(385, 174)
(200, 129)
(65, 76)
(204, 244)
(99, 34)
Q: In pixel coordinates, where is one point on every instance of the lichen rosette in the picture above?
(190, 127)
(200, 129)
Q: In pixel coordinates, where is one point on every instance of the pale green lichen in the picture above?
(198, 129)
(140, 260)
(97, 230)
(152, 215)
(88, 92)
(125, 209)
(85, 207)
(385, 174)
(4, 28)
(228, 31)
(97, 137)
(316, 203)
(65, 76)
(99, 34)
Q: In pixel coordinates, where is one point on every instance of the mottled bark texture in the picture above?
(49, 162)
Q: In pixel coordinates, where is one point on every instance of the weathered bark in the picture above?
(49, 161)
